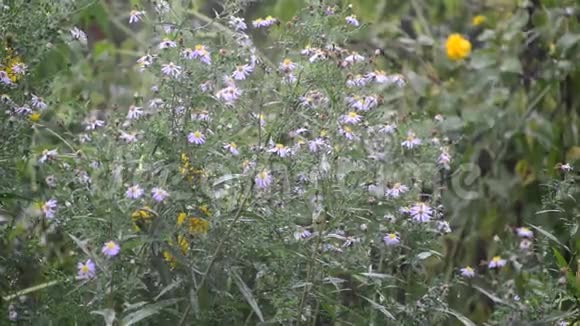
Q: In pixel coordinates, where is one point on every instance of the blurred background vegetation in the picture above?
(513, 112)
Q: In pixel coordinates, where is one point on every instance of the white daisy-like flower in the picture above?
(159, 194)
(443, 227)
(136, 16)
(357, 81)
(242, 72)
(280, 150)
(145, 61)
(496, 262)
(202, 54)
(287, 66)
(134, 192)
(396, 190)
(524, 232)
(48, 155)
(421, 212)
(354, 58)
(237, 23)
(229, 95)
(352, 20)
(388, 129)
(4, 78)
(263, 179)
(49, 208)
(302, 234)
(347, 132)
(444, 159)
(362, 103)
(467, 271)
(411, 141)
(93, 123)
(19, 68)
(525, 244)
(196, 137)
(351, 118)
(167, 44)
(313, 99)
(232, 148)
(156, 103)
(78, 34)
(38, 102)
(264, 22)
(23, 110)
(317, 55)
(171, 70)
(392, 239)
(317, 144)
(128, 137)
(134, 112)
(566, 167)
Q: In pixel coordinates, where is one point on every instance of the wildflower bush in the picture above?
(343, 165)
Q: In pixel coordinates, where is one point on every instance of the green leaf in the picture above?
(559, 258)
(380, 308)
(567, 41)
(512, 65)
(108, 314)
(167, 289)
(247, 293)
(147, 311)
(549, 236)
(466, 321)
(492, 296)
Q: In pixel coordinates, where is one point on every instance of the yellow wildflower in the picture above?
(181, 218)
(205, 209)
(34, 117)
(9, 62)
(141, 217)
(478, 20)
(458, 47)
(198, 225)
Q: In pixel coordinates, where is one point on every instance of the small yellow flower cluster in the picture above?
(187, 170)
(142, 217)
(182, 244)
(10, 60)
(196, 225)
(458, 47)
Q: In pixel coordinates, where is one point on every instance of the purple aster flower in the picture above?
(421, 212)
(196, 138)
(496, 262)
(111, 249)
(49, 208)
(264, 179)
(159, 194)
(134, 192)
(392, 239)
(467, 271)
(86, 270)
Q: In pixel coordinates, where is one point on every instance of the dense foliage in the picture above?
(364, 163)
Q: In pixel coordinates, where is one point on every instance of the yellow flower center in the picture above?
(110, 245)
(392, 236)
(352, 115)
(279, 146)
(287, 62)
(85, 269)
(496, 259)
(197, 134)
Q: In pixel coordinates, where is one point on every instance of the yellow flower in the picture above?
(478, 20)
(9, 61)
(458, 47)
(170, 259)
(181, 218)
(205, 209)
(34, 117)
(182, 244)
(198, 225)
(141, 217)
